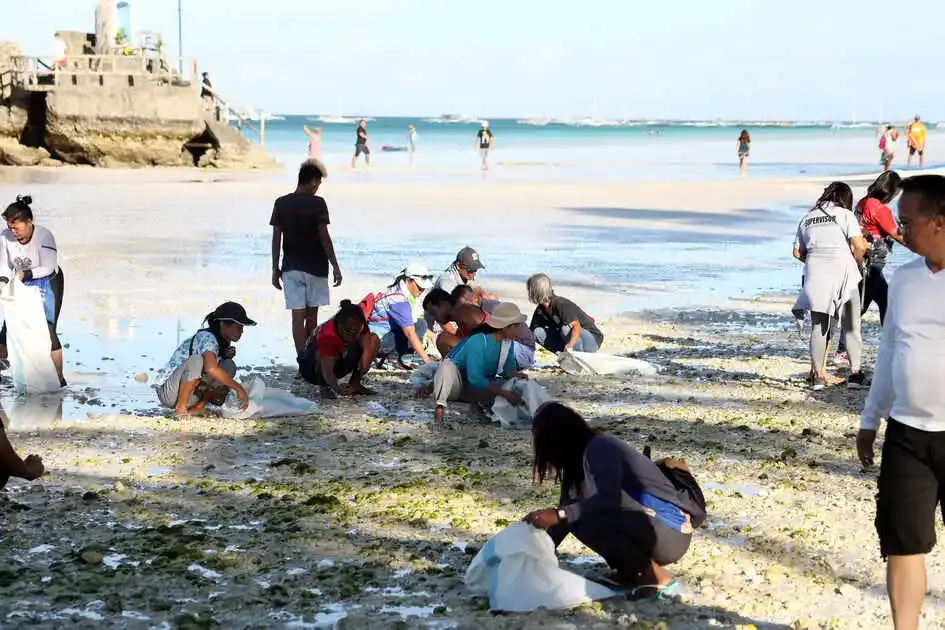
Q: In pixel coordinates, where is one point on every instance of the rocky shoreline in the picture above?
(362, 517)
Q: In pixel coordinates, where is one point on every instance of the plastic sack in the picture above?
(31, 365)
(422, 376)
(519, 572)
(266, 403)
(34, 413)
(533, 396)
(604, 364)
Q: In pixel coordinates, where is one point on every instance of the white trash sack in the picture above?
(604, 364)
(31, 366)
(533, 396)
(422, 376)
(519, 572)
(265, 402)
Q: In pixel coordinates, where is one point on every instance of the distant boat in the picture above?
(535, 122)
(338, 120)
(454, 119)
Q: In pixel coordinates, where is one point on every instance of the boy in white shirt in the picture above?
(907, 390)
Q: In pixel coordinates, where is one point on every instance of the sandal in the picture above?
(673, 589)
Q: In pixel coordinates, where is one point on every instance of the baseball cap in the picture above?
(232, 312)
(419, 273)
(469, 258)
(505, 314)
(485, 123)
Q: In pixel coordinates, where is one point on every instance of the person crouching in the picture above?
(479, 365)
(201, 370)
(637, 514)
(341, 346)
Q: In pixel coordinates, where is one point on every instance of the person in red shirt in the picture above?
(880, 229)
(341, 346)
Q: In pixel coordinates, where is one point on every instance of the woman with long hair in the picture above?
(341, 346)
(743, 149)
(29, 252)
(831, 246)
(202, 368)
(637, 514)
(880, 229)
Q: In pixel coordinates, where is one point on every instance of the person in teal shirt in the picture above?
(475, 370)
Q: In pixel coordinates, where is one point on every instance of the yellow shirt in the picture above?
(916, 135)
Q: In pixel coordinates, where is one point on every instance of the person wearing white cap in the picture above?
(395, 314)
(485, 141)
(477, 367)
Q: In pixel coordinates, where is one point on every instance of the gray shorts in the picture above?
(484, 153)
(189, 370)
(303, 290)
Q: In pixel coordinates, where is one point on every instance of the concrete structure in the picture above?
(112, 111)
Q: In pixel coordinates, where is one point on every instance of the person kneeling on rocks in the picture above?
(458, 320)
(395, 314)
(341, 346)
(479, 365)
(558, 323)
(11, 465)
(637, 514)
(202, 368)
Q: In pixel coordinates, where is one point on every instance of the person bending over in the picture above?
(479, 365)
(637, 514)
(524, 341)
(458, 320)
(201, 370)
(28, 252)
(558, 323)
(11, 465)
(395, 314)
(341, 346)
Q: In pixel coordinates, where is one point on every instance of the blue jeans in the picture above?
(556, 340)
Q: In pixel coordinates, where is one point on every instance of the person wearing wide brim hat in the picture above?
(475, 370)
(201, 370)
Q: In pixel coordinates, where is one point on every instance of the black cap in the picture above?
(232, 312)
(469, 258)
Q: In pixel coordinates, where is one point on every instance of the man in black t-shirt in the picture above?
(300, 231)
(485, 141)
(360, 144)
(558, 323)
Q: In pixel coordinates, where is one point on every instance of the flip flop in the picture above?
(674, 588)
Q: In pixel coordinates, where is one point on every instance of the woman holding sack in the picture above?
(637, 514)
(831, 246)
(28, 252)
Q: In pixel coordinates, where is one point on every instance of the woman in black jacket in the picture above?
(637, 514)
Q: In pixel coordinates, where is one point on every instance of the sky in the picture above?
(642, 59)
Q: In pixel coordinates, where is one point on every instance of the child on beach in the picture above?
(558, 323)
(202, 368)
(341, 346)
(639, 515)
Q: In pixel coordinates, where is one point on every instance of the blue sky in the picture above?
(730, 59)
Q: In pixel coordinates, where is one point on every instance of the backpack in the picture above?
(882, 143)
(683, 480)
(368, 303)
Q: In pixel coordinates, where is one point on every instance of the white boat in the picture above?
(338, 120)
(454, 119)
(535, 122)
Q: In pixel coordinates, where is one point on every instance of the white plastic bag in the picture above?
(519, 572)
(266, 403)
(422, 376)
(604, 364)
(533, 396)
(28, 344)
(34, 413)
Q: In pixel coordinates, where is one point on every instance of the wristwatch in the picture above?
(562, 515)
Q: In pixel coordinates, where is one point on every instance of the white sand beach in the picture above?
(361, 516)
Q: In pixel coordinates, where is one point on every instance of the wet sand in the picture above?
(362, 516)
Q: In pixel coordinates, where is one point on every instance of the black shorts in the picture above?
(911, 486)
(311, 367)
(361, 148)
(913, 151)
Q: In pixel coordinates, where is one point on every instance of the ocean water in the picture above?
(596, 150)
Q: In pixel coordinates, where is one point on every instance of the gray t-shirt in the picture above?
(831, 273)
(449, 279)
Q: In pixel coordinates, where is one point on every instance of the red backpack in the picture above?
(368, 303)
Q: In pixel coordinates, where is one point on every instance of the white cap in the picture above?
(419, 273)
(485, 123)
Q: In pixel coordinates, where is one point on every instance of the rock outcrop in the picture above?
(12, 153)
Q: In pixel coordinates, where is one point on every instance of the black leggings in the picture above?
(57, 284)
(875, 289)
(627, 540)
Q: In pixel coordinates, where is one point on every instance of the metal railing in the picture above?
(226, 111)
(44, 73)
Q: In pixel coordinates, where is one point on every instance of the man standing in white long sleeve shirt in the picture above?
(908, 390)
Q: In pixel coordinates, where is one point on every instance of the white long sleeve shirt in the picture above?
(907, 384)
(39, 255)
